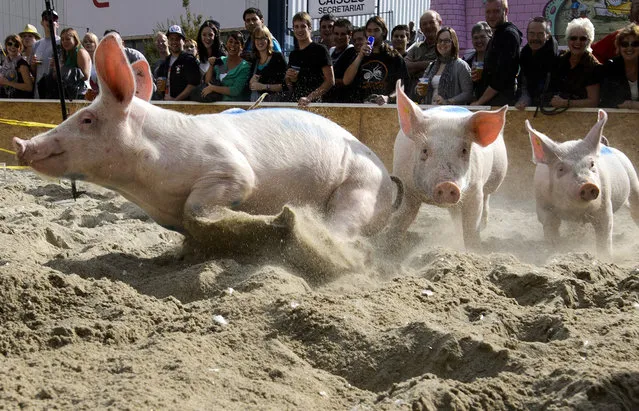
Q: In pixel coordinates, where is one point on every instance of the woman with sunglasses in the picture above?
(576, 80)
(619, 86)
(15, 76)
(268, 68)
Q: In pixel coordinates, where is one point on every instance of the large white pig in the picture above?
(177, 166)
(582, 180)
(449, 157)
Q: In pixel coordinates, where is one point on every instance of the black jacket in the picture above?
(184, 71)
(501, 63)
(535, 70)
(614, 86)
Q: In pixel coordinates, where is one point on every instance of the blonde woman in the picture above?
(268, 67)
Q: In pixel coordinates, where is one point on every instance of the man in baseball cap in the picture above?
(180, 69)
(175, 29)
(54, 14)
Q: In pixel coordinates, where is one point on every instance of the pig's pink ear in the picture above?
(143, 82)
(542, 146)
(487, 125)
(593, 138)
(408, 112)
(114, 71)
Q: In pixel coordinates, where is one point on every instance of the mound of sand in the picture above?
(102, 308)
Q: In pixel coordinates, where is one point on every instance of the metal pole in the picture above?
(56, 60)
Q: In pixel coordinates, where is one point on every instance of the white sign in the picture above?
(340, 8)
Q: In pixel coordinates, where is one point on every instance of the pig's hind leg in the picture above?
(357, 208)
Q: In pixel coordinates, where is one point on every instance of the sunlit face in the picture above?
(359, 39)
(444, 43)
(67, 41)
(629, 48)
(495, 13)
(176, 44)
(261, 42)
(208, 35)
(372, 29)
(233, 47)
(537, 35)
(190, 47)
(578, 41)
(89, 44)
(326, 28)
(252, 21)
(341, 37)
(429, 25)
(399, 40)
(161, 42)
(45, 25)
(480, 41)
(28, 39)
(301, 30)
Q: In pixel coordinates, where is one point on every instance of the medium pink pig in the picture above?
(582, 180)
(177, 166)
(449, 157)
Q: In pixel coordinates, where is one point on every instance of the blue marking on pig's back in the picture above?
(605, 150)
(234, 111)
(449, 109)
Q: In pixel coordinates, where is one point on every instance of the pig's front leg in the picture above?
(228, 182)
(603, 231)
(551, 224)
(471, 214)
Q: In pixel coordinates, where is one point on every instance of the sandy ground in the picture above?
(102, 308)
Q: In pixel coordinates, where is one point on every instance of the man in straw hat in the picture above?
(29, 36)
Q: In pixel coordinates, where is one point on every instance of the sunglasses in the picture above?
(12, 44)
(575, 38)
(625, 44)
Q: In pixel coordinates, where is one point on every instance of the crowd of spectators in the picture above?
(341, 64)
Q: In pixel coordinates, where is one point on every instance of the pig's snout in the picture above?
(588, 192)
(447, 193)
(21, 147)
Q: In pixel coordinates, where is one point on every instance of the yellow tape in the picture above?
(26, 123)
(17, 167)
(7, 151)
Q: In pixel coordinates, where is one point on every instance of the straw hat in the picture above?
(30, 29)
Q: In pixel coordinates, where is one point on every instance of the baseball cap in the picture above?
(30, 29)
(54, 14)
(175, 29)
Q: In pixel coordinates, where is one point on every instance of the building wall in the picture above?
(463, 14)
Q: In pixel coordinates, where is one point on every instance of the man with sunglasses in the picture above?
(538, 58)
(605, 48)
(43, 53)
(501, 63)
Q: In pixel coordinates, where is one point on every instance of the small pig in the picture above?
(449, 157)
(177, 166)
(582, 180)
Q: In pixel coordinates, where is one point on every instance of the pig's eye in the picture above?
(425, 151)
(87, 121)
(464, 151)
(592, 164)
